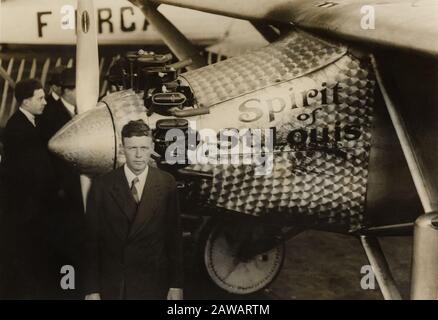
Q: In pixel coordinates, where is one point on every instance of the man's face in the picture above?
(56, 89)
(138, 152)
(70, 95)
(36, 103)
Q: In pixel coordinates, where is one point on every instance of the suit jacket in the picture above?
(27, 167)
(138, 259)
(28, 181)
(68, 224)
(54, 117)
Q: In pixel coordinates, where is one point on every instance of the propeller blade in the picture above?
(87, 58)
(87, 69)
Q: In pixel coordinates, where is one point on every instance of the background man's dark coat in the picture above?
(134, 258)
(54, 117)
(68, 223)
(27, 180)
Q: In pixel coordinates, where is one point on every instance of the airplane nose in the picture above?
(91, 141)
(87, 141)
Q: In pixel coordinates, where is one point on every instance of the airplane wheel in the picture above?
(235, 275)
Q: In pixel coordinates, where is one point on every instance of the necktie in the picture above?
(134, 189)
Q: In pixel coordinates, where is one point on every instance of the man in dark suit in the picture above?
(135, 241)
(69, 223)
(60, 109)
(55, 89)
(28, 182)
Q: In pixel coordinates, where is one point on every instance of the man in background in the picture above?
(68, 222)
(55, 89)
(28, 181)
(60, 108)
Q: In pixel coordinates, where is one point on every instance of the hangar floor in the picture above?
(321, 265)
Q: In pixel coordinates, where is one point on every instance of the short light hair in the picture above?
(136, 128)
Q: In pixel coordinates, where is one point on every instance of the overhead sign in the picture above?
(48, 22)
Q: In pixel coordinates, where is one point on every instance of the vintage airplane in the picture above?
(45, 38)
(332, 126)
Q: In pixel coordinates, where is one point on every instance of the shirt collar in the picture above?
(28, 115)
(70, 108)
(55, 96)
(131, 175)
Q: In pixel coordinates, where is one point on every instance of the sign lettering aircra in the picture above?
(107, 22)
(292, 100)
(302, 107)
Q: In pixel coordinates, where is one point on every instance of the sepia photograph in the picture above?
(253, 150)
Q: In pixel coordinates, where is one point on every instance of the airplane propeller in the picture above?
(87, 68)
(87, 58)
(335, 180)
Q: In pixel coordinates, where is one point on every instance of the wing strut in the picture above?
(266, 30)
(424, 277)
(428, 197)
(380, 267)
(174, 39)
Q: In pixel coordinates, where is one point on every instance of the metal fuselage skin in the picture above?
(333, 152)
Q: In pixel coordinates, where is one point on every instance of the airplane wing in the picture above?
(396, 23)
(240, 37)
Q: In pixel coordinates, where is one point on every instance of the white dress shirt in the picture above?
(55, 96)
(29, 116)
(70, 108)
(141, 177)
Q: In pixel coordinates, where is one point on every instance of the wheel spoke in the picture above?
(235, 275)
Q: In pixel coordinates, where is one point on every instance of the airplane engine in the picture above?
(294, 133)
